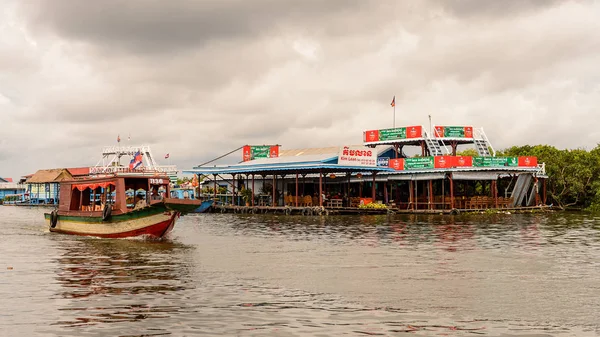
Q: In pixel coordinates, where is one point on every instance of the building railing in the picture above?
(12, 186)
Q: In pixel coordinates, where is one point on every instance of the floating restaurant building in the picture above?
(380, 172)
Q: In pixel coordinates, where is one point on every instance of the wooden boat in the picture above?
(108, 207)
(205, 206)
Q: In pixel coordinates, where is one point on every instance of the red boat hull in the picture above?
(156, 226)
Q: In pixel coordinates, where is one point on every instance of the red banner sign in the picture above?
(397, 164)
(443, 161)
(528, 161)
(463, 161)
(371, 136)
(414, 131)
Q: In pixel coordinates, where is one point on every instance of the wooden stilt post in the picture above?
(296, 189)
(373, 188)
(385, 192)
(430, 197)
(215, 186)
(273, 196)
(321, 188)
(410, 195)
(360, 188)
(495, 191)
(253, 191)
(233, 191)
(451, 191)
(537, 195)
(544, 190)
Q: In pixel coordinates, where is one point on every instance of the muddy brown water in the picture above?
(265, 275)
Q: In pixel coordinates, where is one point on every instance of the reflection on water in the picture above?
(263, 275)
(123, 279)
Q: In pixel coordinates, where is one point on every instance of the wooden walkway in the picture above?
(316, 210)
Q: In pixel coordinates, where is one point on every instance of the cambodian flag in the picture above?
(135, 161)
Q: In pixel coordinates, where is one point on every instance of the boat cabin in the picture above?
(124, 192)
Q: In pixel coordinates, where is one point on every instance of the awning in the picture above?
(475, 175)
(92, 186)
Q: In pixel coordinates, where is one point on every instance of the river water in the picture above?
(261, 275)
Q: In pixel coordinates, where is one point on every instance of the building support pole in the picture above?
(536, 191)
(495, 192)
(273, 196)
(430, 197)
(410, 195)
(451, 191)
(373, 188)
(215, 186)
(321, 188)
(253, 191)
(385, 192)
(544, 190)
(235, 203)
(296, 189)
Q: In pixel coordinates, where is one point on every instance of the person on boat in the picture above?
(140, 202)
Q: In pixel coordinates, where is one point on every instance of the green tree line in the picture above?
(573, 174)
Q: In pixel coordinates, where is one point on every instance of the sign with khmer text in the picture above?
(401, 133)
(357, 156)
(454, 131)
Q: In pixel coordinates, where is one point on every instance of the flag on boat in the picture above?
(118, 138)
(167, 156)
(393, 101)
(135, 161)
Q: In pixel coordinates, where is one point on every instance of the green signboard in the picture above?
(392, 134)
(260, 151)
(417, 163)
(495, 161)
(454, 131)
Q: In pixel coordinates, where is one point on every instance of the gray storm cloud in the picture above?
(197, 79)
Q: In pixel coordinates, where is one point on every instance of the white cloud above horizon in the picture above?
(197, 79)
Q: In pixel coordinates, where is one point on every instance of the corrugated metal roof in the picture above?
(285, 167)
(310, 158)
(303, 159)
(332, 150)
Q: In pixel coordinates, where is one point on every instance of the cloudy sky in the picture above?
(197, 79)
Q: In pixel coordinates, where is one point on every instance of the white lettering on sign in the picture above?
(102, 170)
(156, 182)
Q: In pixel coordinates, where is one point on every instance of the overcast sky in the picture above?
(197, 79)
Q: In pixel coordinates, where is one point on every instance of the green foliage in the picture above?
(574, 174)
(468, 153)
(246, 194)
(184, 180)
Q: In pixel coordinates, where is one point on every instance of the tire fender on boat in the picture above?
(53, 218)
(288, 211)
(107, 212)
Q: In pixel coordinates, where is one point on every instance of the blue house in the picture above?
(11, 190)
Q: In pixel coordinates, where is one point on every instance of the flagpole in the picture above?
(394, 111)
